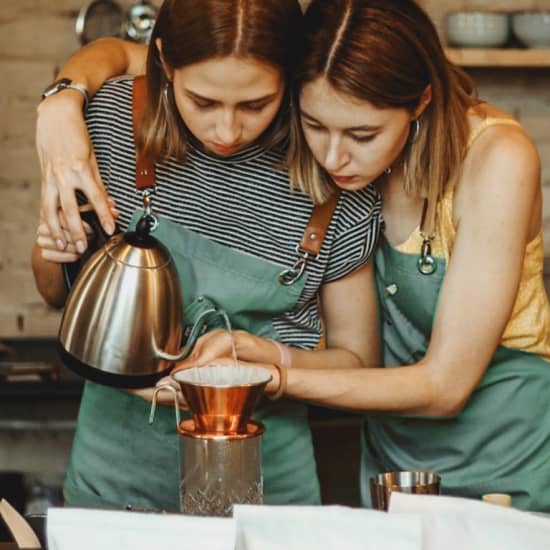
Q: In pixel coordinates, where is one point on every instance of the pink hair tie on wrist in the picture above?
(285, 357)
(284, 363)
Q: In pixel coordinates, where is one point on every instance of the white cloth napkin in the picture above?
(324, 527)
(74, 528)
(458, 523)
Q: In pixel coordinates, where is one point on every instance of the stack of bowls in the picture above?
(532, 28)
(476, 29)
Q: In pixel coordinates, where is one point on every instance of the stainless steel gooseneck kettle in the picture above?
(122, 323)
(123, 320)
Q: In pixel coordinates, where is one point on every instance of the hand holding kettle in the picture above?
(60, 250)
(66, 249)
(61, 179)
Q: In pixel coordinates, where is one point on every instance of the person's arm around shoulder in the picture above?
(67, 159)
(498, 206)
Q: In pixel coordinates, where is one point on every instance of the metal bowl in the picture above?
(414, 481)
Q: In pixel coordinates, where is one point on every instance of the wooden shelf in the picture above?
(470, 57)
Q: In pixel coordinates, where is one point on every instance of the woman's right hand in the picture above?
(68, 164)
(50, 249)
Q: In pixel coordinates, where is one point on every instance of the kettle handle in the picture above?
(89, 215)
(154, 403)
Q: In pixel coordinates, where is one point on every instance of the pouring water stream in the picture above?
(197, 327)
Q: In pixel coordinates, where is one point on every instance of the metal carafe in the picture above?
(221, 443)
(122, 323)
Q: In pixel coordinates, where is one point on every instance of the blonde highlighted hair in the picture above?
(385, 52)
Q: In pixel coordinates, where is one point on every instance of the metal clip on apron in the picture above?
(426, 262)
(118, 459)
(311, 242)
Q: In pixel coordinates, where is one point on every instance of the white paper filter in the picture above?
(223, 376)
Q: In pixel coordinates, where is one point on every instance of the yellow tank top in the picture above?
(529, 326)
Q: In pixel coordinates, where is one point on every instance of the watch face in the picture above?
(56, 87)
(67, 84)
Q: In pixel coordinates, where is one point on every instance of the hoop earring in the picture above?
(415, 130)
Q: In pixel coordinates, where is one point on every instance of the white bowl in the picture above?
(532, 28)
(476, 29)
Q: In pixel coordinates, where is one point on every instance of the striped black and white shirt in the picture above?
(242, 201)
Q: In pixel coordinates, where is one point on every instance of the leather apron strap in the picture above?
(145, 168)
(316, 229)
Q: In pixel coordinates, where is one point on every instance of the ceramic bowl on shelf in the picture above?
(532, 28)
(476, 29)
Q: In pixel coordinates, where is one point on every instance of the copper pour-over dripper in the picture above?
(222, 398)
(221, 443)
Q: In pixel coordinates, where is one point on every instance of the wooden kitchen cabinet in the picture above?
(501, 57)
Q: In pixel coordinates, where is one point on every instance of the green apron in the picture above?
(499, 442)
(119, 460)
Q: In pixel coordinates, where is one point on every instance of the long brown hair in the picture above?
(386, 52)
(192, 31)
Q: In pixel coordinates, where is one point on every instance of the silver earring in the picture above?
(415, 130)
(387, 171)
(166, 89)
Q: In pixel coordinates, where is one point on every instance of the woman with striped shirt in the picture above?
(215, 122)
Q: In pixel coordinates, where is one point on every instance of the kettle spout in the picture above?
(194, 335)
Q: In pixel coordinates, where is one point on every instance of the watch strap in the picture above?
(67, 84)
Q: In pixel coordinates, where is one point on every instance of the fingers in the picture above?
(49, 247)
(100, 200)
(71, 213)
(49, 214)
(86, 179)
(200, 362)
(216, 343)
(68, 164)
(59, 188)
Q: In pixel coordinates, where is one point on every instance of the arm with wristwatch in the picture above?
(67, 159)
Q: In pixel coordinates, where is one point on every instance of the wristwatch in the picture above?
(66, 84)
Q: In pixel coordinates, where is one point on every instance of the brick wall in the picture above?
(37, 35)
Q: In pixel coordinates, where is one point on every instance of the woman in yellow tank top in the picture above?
(464, 318)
